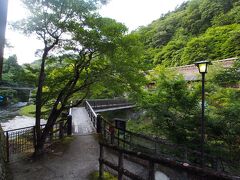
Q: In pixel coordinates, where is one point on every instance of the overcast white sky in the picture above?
(133, 13)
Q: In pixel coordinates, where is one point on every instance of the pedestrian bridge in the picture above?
(82, 122)
(152, 151)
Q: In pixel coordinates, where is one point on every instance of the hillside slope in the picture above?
(197, 30)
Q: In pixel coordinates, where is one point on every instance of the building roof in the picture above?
(190, 72)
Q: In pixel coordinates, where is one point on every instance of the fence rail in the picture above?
(105, 103)
(156, 147)
(23, 140)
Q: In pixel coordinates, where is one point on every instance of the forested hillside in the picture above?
(197, 30)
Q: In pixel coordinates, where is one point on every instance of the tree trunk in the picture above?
(3, 22)
(39, 146)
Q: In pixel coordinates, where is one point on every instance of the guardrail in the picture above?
(105, 103)
(176, 154)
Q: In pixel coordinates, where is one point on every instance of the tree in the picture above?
(173, 107)
(198, 29)
(92, 51)
(3, 22)
(12, 71)
(48, 21)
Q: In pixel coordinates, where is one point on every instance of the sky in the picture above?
(132, 13)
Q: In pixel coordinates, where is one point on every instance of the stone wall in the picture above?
(2, 156)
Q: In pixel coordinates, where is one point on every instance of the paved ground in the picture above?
(73, 160)
(82, 124)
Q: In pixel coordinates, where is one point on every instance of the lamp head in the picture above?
(202, 66)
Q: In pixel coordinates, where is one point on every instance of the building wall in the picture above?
(190, 72)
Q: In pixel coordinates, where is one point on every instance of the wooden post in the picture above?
(69, 126)
(151, 173)
(7, 146)
(61, 130)
(99, 128)
(101, 163)
(120, 166)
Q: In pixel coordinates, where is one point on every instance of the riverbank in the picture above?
(18, 116)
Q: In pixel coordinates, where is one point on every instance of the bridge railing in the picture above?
(105, 103)
(156, 147)
(23, 140)
(93, 116)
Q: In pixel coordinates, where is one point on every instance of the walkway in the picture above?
(82, 124)
(73, 160)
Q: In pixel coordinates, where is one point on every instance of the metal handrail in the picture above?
(154, 145)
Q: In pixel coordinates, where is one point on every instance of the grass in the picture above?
(30, 110)
(107, 176)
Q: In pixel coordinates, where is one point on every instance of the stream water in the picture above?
(11, 119)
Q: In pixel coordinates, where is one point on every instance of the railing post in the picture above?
(120, 165)
(69, 125)
(61, 130)
(101, 162)
(99, 124)
(7, 146)
(185, 154)
(34, 138)
(151, 173)
(104, 129)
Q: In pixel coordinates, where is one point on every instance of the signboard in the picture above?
(120, 124)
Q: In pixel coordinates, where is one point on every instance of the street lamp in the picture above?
(202, 67)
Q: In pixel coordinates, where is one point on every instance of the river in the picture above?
(11, 119)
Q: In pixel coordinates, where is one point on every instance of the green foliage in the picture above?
(197, 30)
(174, 110)
(16, 74)
(173, 107)
(228, 77)
(28, 111)
(99, 60)
(216, 43)
(8, 93)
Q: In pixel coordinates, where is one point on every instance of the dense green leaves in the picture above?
(197, 30)
(173, 110)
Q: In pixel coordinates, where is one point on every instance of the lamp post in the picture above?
(202, 67)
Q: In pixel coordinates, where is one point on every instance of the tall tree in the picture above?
(3, 22)
(96, 54)
(47, 20)
(87, 46)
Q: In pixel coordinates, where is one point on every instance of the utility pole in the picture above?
(3, 23)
